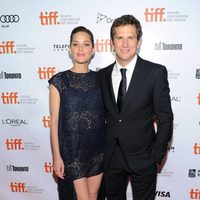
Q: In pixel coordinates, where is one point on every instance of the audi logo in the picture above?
(9, 18)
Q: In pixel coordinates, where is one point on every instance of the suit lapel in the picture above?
(110, 97)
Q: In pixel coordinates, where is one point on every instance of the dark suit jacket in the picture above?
(147, 97)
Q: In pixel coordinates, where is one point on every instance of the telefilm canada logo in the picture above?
(6, 75)
(60, 47)
(8, 19)
(104, 18)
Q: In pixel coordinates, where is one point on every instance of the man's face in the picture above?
(125, 43)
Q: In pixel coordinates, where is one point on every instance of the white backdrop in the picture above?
(34, 40)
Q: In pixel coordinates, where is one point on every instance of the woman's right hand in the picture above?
(58, 167)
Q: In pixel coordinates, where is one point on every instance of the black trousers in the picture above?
(118, 174)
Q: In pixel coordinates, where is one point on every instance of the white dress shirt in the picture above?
(116, 75)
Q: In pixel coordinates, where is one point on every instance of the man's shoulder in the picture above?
(150, 64)
(107, 68)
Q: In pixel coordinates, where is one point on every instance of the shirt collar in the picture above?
(130, 67)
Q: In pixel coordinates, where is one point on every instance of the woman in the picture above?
(77, 122)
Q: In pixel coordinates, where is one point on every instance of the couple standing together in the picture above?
(103, 122)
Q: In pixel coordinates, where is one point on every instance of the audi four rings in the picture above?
(9, 18)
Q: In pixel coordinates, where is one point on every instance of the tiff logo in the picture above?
(48, 167)
(195, 194)
(9, 98)
(49, 18)
(7, 47)
(102, 45)
(14, 144)
(196, 149)
(18, 187)
(198, 97)
(46, 72)
(46, 121)
(155, 15)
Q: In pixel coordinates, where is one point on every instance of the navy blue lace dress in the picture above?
(81, 126)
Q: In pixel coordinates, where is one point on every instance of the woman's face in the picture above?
(81, 49)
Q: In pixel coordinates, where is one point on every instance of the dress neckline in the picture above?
(79, 72)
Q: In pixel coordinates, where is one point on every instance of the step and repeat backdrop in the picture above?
(34, 43)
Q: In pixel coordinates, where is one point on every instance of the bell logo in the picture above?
(9, 98)
(49, 18)
(14, 144)
(46, 72)
(196, 149)
(48, 167)
(155, 15)
(7, 47)
(18, 187)
(198, 99)
(195, 194)
(103, 45)
(46, 121)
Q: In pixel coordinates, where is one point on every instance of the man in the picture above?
(134, 148)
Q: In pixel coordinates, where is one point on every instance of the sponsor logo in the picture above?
(48, 167)
(165, 46)
(14, 122)
(61, 47)
(196, 148)
(101, 17)
(7, 47)
(198, 73)
(54, 18)
(194, 194)
(198, 97)
(5, 75)
(17, 168)
(161, 15)
(194, 173)
(162, 194)
(46, 121)
(103, 45)
(46, 72)
(171, 149)
(175, 98)
(9, 18)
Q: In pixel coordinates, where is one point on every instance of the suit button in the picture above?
(120, 121)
